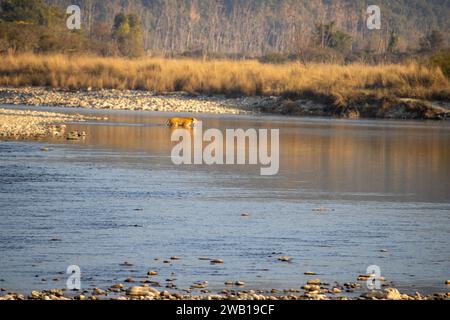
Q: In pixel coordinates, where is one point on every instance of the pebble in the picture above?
(311, 287)
(217, 261)
(336, 290)
(392, 294)
(137, 291)
(117, 286)
(126, 264)
(314, 281)
(284, 259)
(99, 292)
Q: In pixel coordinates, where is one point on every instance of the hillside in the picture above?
(256, 27)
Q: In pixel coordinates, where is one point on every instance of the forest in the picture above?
(319, 30)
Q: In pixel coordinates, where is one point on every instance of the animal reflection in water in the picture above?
(182, 122)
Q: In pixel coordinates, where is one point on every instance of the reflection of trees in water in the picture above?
(337, 157)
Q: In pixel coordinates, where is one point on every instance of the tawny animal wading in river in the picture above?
(182, 122)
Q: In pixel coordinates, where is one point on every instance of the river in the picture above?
(349, 194)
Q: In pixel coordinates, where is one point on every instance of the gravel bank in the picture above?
(145, 292)
(20, 124)
(129, 100)
(362, 107)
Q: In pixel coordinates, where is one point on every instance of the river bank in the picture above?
(24, 124)
(314, 289)
(182, 102)
(128, 100)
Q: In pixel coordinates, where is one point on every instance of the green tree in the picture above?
(32, 25)
(341, 41)
(393, 42)
(29, 12)
(128, 35)
(327, 37)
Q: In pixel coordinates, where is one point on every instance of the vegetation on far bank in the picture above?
(335, 83)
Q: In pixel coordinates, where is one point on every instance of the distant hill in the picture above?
(263, 26)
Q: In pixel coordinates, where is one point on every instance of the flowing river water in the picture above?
(349, 194)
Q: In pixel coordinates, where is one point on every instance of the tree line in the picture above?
(272, 30)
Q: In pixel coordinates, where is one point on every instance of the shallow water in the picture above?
(386, 184)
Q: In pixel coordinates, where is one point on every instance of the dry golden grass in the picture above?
(225, 77)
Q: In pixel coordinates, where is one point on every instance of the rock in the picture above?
(137, 291)
(310, 273)
(152, 273)
(129, 280)
(55, 292)
(165, 294)
(322, 209)
(217, 261)
(284, 259)
(246, 215)
(239, 283)
(126, 264)
(392, 294)
(314, 281)
(174, 258)
(447, 282)
(352, 285)
(117, 286)
(99, 292)
(336, 290)
(311, 287)
(373, 295)
(350, 113)
(72, 137)
(45, 149)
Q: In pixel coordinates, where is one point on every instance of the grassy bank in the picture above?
(334, 83)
